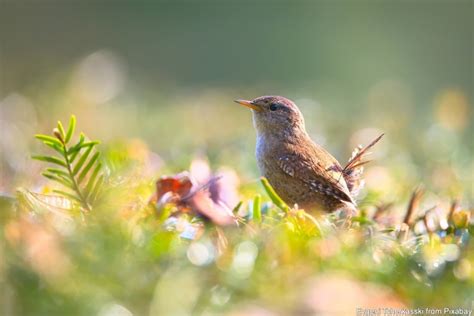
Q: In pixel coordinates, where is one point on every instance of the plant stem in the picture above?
(73, 180)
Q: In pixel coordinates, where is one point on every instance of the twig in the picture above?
(353, 163)
(381, 208)
(413, 204)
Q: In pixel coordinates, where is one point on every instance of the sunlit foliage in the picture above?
(175, 249)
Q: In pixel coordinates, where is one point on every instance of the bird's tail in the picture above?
(355, 167)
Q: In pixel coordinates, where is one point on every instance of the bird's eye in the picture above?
(273, 107)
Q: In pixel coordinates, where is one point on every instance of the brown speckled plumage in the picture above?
(300, 171)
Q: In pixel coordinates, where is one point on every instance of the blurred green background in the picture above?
(167, 72)
(154, 81)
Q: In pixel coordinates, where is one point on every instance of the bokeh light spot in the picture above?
(244, 259)
(99, 77)
(452, 110)
(199, 254)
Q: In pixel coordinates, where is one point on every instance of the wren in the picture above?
(301, 171)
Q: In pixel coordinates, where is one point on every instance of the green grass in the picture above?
(150, 253)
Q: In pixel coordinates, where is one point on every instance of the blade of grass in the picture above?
(236, 209)
(273, 195)
(257, 211)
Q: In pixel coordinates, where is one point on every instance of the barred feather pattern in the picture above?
(354, 169)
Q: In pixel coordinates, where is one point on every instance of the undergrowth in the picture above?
(171, 248)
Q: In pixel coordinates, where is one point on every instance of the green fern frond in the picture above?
(78, 167)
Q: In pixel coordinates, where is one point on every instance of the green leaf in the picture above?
(82, 138)
(237, 207)
(58, 172)
(62, 180)
(50, 159)
(86, 169)
(87, 144)
(48, 139)
(92, 178)
(68, 195)
(73, 157)
(52, 142)
(273, 195)
(59, 149)
(61, 130)
(96, 189)
(81, 161)
(73, 151)
(257, 212)
(71, 128)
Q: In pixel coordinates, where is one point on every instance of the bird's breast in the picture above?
(261, 149)
(268, 151)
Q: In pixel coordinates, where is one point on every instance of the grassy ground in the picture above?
(167, 247)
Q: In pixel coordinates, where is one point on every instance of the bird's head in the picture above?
(274, 114)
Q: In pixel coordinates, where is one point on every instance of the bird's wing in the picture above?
(324, 176)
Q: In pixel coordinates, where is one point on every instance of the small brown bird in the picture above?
(301, 171)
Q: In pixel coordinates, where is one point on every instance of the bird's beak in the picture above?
(248, 104)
